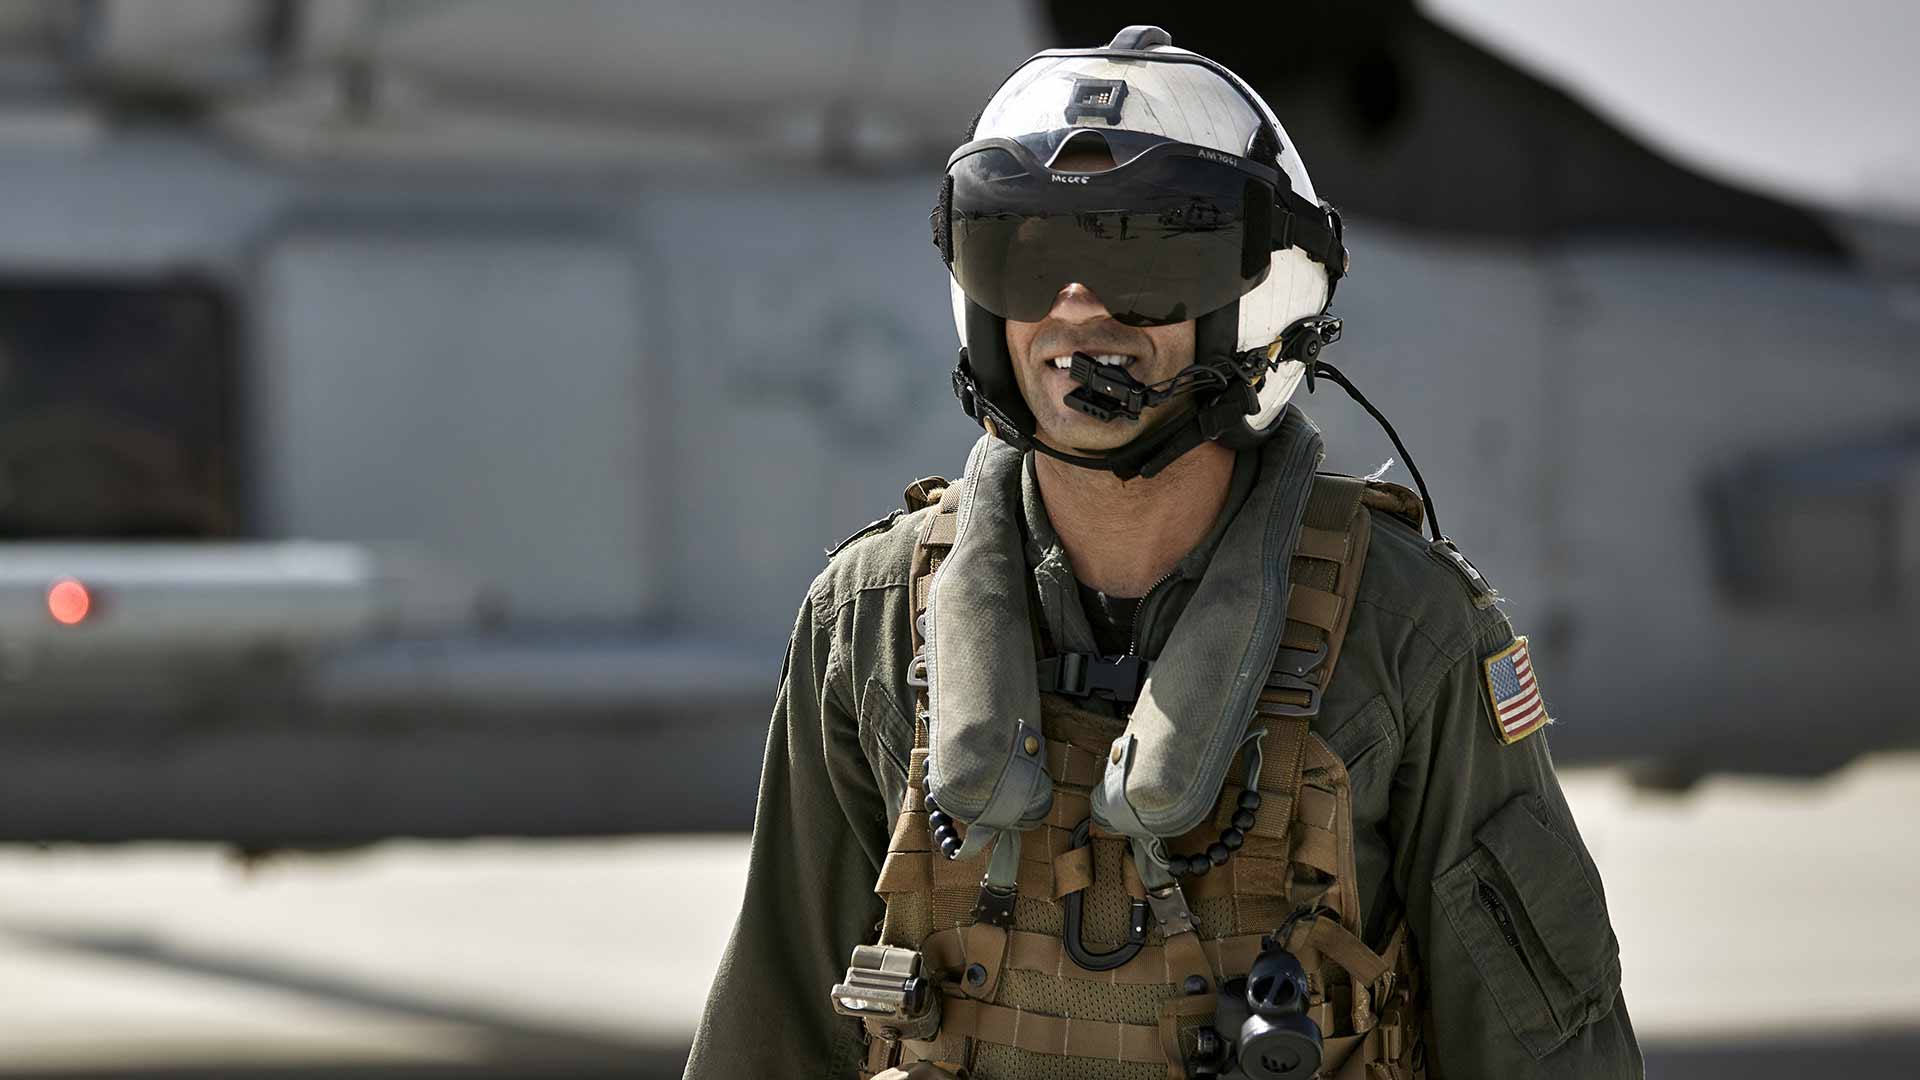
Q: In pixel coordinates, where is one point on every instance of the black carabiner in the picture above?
(1137, 916)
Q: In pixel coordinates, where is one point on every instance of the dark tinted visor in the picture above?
(1172, 233)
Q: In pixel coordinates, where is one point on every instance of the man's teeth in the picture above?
(1116, 359)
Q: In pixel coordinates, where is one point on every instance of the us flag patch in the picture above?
(1518, 709)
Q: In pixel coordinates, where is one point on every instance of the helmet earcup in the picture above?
(994, 385)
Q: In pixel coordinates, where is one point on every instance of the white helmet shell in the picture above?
(1174, 93)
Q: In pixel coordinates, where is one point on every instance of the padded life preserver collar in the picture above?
(983, 692)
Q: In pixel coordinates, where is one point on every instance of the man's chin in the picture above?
(1083, 434)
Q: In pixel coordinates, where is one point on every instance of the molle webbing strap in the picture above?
(935, 540)
(1044, 953)
(1330, 545)
(929, 548)
(1323, 581)
(1315, 607)
(926, 871)
(1055, 1035)
(1341, 945)
(1069, 764)
(909, 865)
(942, 528)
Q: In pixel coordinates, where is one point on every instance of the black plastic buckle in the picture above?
(1121, 678)
(1290, 670)
(1082, 675)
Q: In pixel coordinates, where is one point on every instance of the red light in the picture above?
(68, 602)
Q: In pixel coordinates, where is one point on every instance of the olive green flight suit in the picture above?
(1521, 985)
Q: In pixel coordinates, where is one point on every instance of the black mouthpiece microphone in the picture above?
(1107, 392)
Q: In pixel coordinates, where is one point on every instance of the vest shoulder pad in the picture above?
(924, 492)
(1396, 499)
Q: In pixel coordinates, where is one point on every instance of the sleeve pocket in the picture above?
(1527, 912)
(887, 736)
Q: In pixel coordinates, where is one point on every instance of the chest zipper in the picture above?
(1133, 642)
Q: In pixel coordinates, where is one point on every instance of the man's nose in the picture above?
(1077, 303)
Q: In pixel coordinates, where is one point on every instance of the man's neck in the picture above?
(1122, 538)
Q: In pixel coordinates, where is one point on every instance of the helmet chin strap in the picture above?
(1159, 448)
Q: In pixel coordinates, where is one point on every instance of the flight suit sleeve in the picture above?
(1506, 907)
(818, 838)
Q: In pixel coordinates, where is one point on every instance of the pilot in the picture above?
(1145, 749)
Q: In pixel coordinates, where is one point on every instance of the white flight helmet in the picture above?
(1258, 322)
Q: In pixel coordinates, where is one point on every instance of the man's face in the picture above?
(1079, 322)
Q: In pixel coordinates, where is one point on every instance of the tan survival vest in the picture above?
(1014, 1003)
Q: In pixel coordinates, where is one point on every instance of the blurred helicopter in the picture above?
(422, 419)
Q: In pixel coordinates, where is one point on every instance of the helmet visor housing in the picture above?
(1170, 233)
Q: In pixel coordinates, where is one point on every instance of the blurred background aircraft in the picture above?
(421, 418)
(430, 415)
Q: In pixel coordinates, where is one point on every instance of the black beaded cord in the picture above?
(945, 836)
(1235, 834)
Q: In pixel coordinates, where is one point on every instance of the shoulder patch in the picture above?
(1513, 693)
(876, 525)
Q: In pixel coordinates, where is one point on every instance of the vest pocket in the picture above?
(1529, 915)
